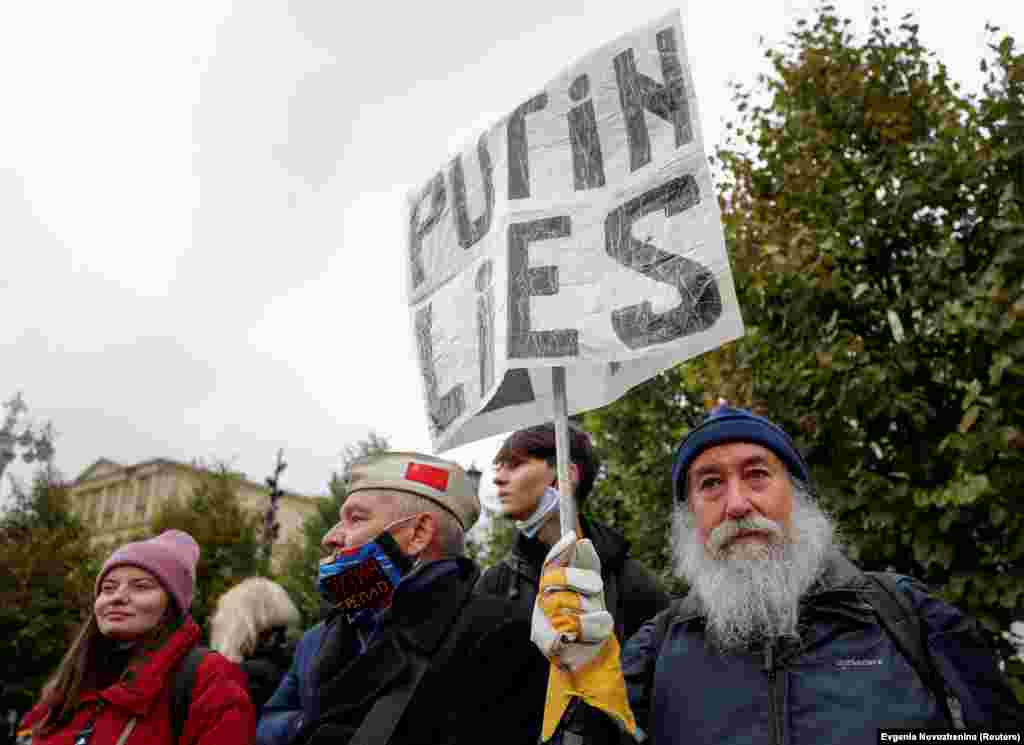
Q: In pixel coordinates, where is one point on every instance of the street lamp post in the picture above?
(474, 475)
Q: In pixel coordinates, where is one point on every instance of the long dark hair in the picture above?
(88, 665)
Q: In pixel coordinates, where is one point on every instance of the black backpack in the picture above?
(181, 690)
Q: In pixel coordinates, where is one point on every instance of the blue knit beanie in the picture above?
(727, 424)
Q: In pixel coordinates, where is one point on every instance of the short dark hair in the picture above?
(539, 442)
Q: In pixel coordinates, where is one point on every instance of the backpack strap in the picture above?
(520, 569)
(905, 627)
(685, 606)
(127, 731)
(611, 604)
(381, 721)
(181, 690)
(506, 579)
(662, 622)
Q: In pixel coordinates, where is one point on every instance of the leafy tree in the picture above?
(491, 538)
(18, 438)
(875, 219)
(636, 439)
(47, 571)
(301, 556)
(227, 534)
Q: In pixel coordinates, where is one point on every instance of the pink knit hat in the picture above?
(171, 557)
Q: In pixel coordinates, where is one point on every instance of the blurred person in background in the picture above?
(250, 626)
(295, 700)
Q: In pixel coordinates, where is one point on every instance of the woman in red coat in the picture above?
(114, 685)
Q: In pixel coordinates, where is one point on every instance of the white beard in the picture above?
(750, 590)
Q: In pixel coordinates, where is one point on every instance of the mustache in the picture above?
(728, 530)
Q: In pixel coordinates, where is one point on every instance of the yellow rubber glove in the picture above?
(574, 630)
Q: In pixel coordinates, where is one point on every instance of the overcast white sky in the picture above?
(201, 204)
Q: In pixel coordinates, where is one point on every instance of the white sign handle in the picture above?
(566, 500)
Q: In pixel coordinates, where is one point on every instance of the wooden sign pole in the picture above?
(567, 500)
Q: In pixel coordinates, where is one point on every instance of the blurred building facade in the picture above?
(118, 501)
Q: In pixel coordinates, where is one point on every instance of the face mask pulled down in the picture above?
(363, 577)
(547, 504)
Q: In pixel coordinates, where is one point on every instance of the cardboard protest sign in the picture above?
(581, 230)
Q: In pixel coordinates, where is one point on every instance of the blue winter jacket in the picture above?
(295, 700)
(839, 684)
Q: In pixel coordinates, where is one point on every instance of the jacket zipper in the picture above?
(775, 697)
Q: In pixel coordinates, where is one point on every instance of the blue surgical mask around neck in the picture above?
(546, 505)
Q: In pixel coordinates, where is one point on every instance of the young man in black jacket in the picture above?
(527, 482)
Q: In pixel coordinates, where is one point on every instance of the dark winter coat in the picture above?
(220, 714)
(485, 685)
(631, 591)
(294, 701)
(840, 683)
(266, 666)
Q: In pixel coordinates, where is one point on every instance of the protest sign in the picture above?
(582, 231)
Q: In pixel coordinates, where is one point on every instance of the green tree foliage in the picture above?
(636, 439)
(301, 556)
(46, 585)
(227, 534)
(875, 221)
(873, 214)
(491, 539)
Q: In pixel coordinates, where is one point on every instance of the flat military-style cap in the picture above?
(441, 481)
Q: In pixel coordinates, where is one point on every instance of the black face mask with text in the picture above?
(363, 577)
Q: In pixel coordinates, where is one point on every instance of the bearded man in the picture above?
(781, 639)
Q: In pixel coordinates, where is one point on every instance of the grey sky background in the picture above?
(201, 205)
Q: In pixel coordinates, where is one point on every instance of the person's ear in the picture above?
(574, 477)
(424, 528)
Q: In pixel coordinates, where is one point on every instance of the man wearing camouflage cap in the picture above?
(409, 653)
